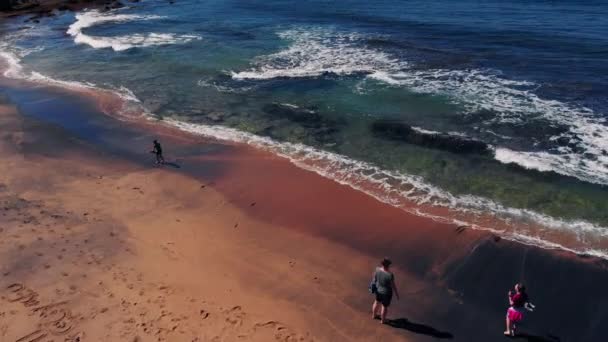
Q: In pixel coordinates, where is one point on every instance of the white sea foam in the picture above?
(12, 54)
(121, 43)
(566, 163)
(314, 52)
(209, 82)
(424, 131)
(400, 189)
(13, 66)
(15, 70)
(514, 102)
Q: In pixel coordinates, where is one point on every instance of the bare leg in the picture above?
(383, 314)
(375, 309)
(509, 326)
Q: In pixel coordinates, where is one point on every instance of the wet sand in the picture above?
(229, 243)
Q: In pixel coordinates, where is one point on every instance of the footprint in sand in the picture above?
(235, 316)
(204, 314)
(279, 331)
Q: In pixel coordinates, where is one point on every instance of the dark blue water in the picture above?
(479, 106)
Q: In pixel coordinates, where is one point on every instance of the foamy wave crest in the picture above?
(210, 83)
(13, 69)
(316, 52)
(401, 190)
(585, 156)
(12, 54)
(569, 164)
(13, 66)
(121, 43)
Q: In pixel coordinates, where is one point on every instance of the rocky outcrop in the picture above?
(43, 8)
(399, 131)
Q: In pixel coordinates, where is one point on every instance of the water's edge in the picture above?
(420, 198)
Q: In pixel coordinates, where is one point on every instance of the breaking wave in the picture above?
(121, 43)
(580, 151)
(314, 53)
(14, 70)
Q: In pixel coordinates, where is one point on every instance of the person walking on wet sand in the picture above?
(158, 151)
(383, 286)
(515, 313)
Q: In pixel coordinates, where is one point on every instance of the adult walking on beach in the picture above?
(158, 151)
(383, 286)
(515, 313)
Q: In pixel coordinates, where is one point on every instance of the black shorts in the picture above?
(384, 298)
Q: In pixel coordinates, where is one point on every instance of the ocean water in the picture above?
(488, 113)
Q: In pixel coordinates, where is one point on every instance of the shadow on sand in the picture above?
(402, 323)
(170, 164)
(535, 338)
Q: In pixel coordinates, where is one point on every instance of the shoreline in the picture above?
(489, 216)
(448, 276)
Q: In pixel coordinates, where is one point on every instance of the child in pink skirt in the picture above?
(515, 313)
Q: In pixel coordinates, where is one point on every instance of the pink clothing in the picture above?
(515, 314)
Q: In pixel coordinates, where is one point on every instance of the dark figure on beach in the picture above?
(383, 286)
(158, 151)
(515, 313)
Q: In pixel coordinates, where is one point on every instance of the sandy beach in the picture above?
(228, 243)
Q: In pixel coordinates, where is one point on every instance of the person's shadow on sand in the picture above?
(402, 323)
(170, 164)
(535, 338)
(173, 165)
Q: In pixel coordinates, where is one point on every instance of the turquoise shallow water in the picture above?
(476, 106)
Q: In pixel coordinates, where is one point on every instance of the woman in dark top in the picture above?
(383, 286)
(515, 313)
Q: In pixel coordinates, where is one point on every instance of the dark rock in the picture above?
(399, 131)
(303, 116)
(318, 128)
(5, 5)
(12, 5)
(562, 141)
